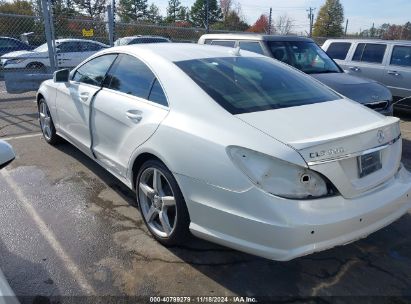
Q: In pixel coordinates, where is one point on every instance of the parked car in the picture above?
(387, 61)
(8, 45)
(140, 39)
(305, 55)
(237, 148)
(6, 154)
(70, 52)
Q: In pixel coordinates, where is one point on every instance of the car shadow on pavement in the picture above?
(24, 276)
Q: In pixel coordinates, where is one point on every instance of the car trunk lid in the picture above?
(332, 137)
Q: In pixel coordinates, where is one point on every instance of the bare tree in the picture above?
(225, 6)
(284, 25)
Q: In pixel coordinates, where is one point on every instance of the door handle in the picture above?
(84, 96)
(134, 115)
(355, 69)
(395, 73)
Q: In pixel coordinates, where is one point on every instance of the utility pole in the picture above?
(311, 17)
(270, 20)
(207, 12)
(48, 28)
(346, 27)
(114, 11)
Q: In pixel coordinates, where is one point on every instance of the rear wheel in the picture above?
(161, 203)
(46, 123)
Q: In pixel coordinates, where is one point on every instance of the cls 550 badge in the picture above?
(329, 152)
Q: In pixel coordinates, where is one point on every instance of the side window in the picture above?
(338, 50)
(8, 43)
(251, 46)
(401, 55)
(157, 94)
(228, 43)
(358, 52)
(94, 71)
(131, 76)
(369, 52)
(90, 47)
(69, 47)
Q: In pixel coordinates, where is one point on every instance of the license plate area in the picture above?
(369, 163)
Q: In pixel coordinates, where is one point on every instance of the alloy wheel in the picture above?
(157, 202)
(45, 120)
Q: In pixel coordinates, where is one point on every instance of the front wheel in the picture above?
(161, 204)
(46, 123)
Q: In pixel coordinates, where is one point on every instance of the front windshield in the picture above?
(41, 48)
(251, 84)
(305, 56)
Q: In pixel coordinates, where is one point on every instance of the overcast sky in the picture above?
(361, 13)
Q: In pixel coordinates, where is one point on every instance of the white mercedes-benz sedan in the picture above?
(233, 146)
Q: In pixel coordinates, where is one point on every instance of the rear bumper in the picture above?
(261, 224)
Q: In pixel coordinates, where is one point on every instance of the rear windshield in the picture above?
(148, 40)
(252, 84)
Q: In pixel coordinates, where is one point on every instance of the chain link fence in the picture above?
(34, 46)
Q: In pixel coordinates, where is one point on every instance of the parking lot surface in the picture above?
(68, 228)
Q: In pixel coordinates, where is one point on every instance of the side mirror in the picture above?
(6, 154)
(61, 76)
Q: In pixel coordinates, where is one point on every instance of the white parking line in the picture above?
(20, 136)
(68, 263)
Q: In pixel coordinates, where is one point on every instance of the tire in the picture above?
(46, 123)
(161, 204)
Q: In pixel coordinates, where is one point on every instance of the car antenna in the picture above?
(236, 51)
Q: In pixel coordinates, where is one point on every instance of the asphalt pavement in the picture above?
(69, 228)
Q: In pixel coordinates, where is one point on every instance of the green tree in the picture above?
(132, 10)
(173, 11)
(184, 14)
(407, 31)
(12, 26)
(330, 20)
(198, 12)
(232, 22)
(18, 7)
(153, 14)
(92, 8)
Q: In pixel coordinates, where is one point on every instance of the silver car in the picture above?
(305, 55)
(386, 61)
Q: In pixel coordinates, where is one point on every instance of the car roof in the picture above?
(180, 51)
(143, 37)
(4, 37)
(77, 39)
(254, 36)
(370, 41)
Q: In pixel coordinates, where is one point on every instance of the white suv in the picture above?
(386, 61)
